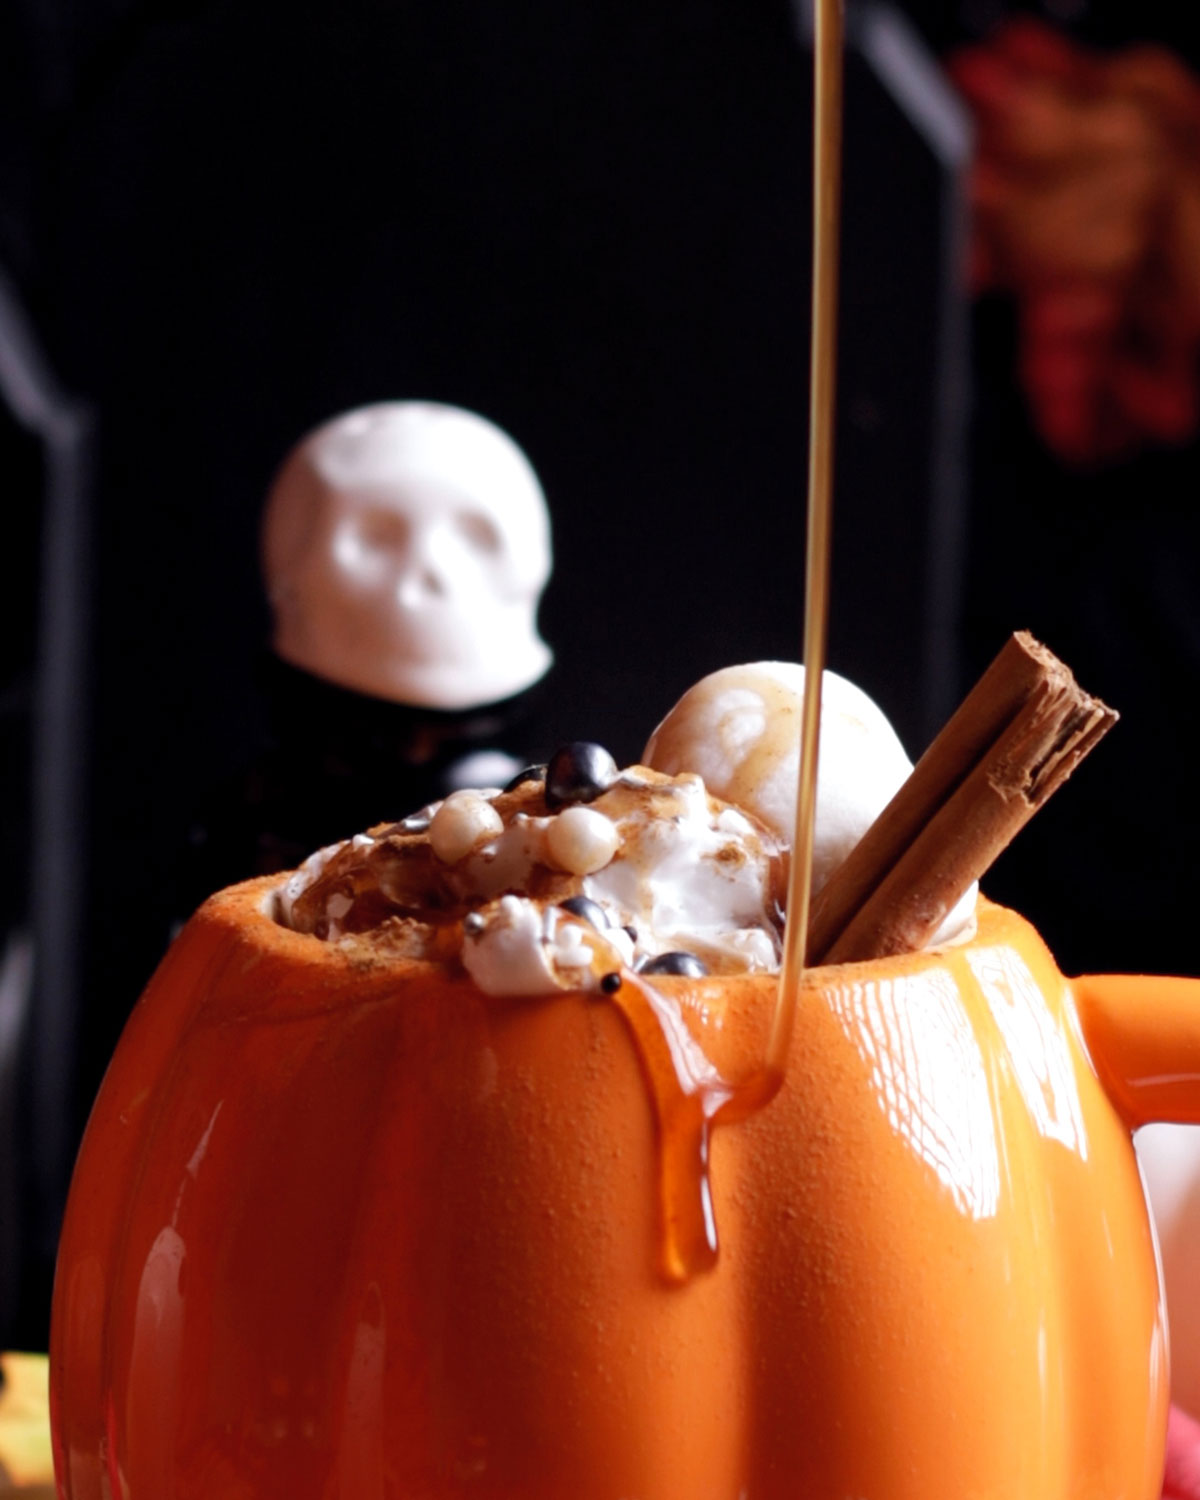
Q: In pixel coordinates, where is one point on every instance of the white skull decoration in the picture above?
(405, 547)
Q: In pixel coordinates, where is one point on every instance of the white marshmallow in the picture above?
(739, 728)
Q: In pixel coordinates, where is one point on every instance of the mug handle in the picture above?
(1142, 1033)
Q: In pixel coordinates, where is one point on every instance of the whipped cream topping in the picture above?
(675, 866)
(521, 948)
(660, 866)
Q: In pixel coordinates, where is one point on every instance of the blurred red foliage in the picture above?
(1086, 207)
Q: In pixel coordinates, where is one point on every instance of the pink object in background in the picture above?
(1181, 1481)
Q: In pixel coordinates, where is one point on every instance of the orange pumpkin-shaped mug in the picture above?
(346, 1227)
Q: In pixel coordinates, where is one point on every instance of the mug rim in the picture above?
(248, 908)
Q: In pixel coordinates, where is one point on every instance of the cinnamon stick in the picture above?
(1018, 735)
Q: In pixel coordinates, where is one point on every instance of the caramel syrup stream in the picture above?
(690, 1095)
(827, 155)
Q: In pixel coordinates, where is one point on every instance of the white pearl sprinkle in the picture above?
(582, 840)
(572, 950)
(462, 821)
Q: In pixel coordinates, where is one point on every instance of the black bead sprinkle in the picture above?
(473, 922)
(530, 773)
(675, 963)
(610, 983)
(587, 909)
(578, 772)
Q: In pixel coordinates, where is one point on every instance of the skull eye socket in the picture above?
(480, 531)
(383, 531)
